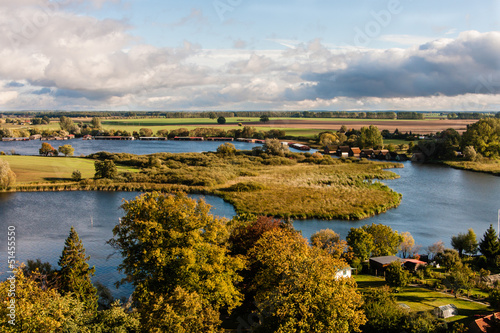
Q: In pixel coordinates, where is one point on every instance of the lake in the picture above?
(438, 202)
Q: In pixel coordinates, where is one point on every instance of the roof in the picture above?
(355, 150)
(344, 149)
(386, 260)
(489, 323)
(415, 261)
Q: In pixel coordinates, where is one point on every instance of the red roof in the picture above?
(488, 324)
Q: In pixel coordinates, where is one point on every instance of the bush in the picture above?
(76, 176)
(247, 187)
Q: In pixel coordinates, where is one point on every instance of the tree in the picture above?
(396, 275)
(360, 243)
(274, 147)
(462, 277)
(226, 149)
(175, 255)
(264, 118)
(7, 176)
(465, 242)
(105, 169)
(470, 153)
(221, 120)
(67, 124)
(75, 273)
(66, 150)
(449, 258)
(162, 133)
(76, 175)
(435, 249)
(297, 288)
(484, 136)
(489, 245)
(96, 123)
(330, 241)
(370, 137)
(386, 242)
(382, 311)
(47, 149)
(407, 244)
(145, 132)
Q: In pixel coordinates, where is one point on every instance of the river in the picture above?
(438, 202)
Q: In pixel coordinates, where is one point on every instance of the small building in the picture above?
(299, 146)
(366, 153)
(379, 264)
(354, 152)
(331, 149)
(189, 138)
(382, 155)
(220, 139)
(70, 136)
(345, 272)
(446, 311)
(36, 137)
(413, 264)
(87, 137)
(487, 324)
(343, 151)
(152, 138)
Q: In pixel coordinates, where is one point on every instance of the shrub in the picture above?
(247, 187)
(76, 176)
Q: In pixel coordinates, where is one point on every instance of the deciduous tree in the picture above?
(67, 150)
(386, 242)
(47, 149)
(175, 255)
(105, 169)
(221, 120)
(370, 137)
(396, 275)
(7, 176)
(407, 244)
(360, 243)
(330, 241)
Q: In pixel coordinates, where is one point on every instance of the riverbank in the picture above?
(490, 167)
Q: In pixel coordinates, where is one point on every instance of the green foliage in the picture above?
(329, 241)
(396, 275)
(116, 319)
(247, 187)
(75, 274)
(489, 244)
(67, 150)
(370, 137)
(385, 241)
(297, 288)
(221, 120)
(448, 258)
(105, 169)
(7, 176)
(96, 123)
(465, 243)
(264, 118)
(494, 298)
(170, 242)
(274, 147)
(484, 136)
(67, 124)
(145, 132)
(382, 311)
(360, 243)
(226, 149)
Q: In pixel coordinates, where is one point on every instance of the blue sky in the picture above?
(249, 55)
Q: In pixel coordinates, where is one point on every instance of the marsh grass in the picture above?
(487, 166)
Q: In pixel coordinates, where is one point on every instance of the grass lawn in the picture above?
(42, 169)
(422, 299)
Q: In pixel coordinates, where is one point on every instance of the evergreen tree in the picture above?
(75, 273)
(489, 245)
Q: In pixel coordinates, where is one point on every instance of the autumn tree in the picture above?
(47, 149)
(67, 150)
(226, 149)
(7, 176)
(175, 255)
(145, 132)
(407, 244)
(105, 169)
(297, 288)
(435, 249)
(386, 242)
(329, 241)
(75, 273)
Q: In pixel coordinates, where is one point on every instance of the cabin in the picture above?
(413, 264)
(87, 137)
(487, 324)
(366, 153)
(343, 151)
(354, 152)
(382, 155)
(345, 272)
(299, 146)
(36, 137)
(70, 136)
(446, 311)
(379, 264)
(331, 149)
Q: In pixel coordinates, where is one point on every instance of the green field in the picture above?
(30, 169)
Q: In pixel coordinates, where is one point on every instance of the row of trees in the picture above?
(366, 137)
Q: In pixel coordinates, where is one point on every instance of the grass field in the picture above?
(422, 299)
(490, 166)
(30, 169)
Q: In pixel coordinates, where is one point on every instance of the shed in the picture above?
(366, 153)
(343, 151)
(331, 149)
(355, 152)
(446, 311)
(378, 264)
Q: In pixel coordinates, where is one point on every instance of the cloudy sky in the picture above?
(249, 55)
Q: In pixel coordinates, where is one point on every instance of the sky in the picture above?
(249, 55)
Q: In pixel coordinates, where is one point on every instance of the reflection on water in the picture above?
(438, 202)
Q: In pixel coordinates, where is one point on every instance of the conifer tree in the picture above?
(489, 245)
(75, 273)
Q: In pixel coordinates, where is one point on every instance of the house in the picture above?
(446, 311)
(487, 324)
(345, 272)
(366, 153)
(382, 155)
(331, 149)
(87, 137)
(413, 264)
(354, 152)
(70, 136)
(36, 137)
(379, 264)
(343, 151)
